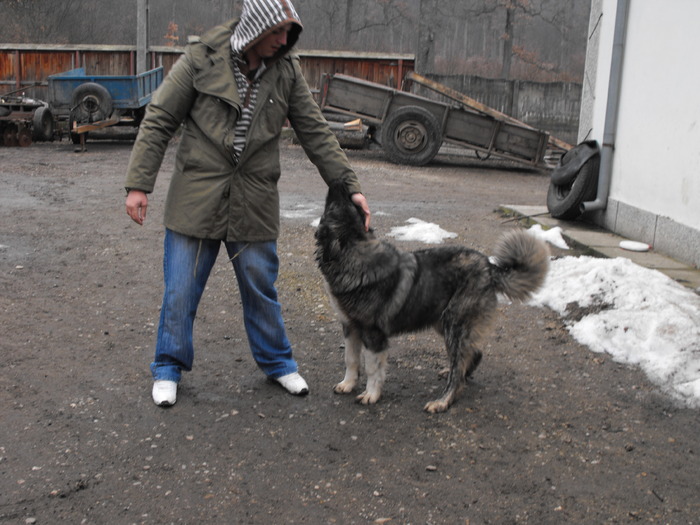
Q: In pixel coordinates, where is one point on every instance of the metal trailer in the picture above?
(92, 102)
(412, 128)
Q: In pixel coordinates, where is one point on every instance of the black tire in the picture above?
(42, 125)
(564, 201)
(411, 135)
(91, 102)
(572, 161)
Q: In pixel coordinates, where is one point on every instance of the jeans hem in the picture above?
(165, 373)
(279, 373)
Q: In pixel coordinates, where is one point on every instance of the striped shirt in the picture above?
(248, 92)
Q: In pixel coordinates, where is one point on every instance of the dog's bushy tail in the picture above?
(521, 263)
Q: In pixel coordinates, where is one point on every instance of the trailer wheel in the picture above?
(42, 124)
(564, 200)
(91, 102)
(411, 135)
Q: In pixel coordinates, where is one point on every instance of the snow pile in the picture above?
(638, 316)
(418, 230)
(552, 236)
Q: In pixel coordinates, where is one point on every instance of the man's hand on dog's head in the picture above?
(359, 200)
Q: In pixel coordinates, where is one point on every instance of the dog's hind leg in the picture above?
(445, 372)
(353, 351)
(464, 358)
(474, 363)
(375, 367)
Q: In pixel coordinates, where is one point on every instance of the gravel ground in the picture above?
(546, 432)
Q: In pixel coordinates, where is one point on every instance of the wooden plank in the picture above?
(462, 98)
(84, 128)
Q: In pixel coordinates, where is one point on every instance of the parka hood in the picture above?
(259, 18)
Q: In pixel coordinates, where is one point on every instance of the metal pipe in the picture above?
(613, 103)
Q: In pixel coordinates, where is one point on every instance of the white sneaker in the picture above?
(294, 384)
(164, 392)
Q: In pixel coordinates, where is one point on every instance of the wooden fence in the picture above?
(553, 107)
(26, 67)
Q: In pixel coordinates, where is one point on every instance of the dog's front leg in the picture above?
(375, 367)
(353, 351)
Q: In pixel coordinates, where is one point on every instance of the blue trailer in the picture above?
(92, 102)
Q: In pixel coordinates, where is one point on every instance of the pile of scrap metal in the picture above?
(23, 120)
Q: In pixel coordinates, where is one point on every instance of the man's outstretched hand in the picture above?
(136, 205)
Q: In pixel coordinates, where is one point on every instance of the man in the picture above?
(232, 91)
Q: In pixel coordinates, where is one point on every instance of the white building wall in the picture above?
(655, 186)
(657, 158)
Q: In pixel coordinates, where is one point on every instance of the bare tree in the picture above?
(541, 40)
(36, 21)
(527, 39)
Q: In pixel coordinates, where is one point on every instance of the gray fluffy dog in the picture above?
(380, 291)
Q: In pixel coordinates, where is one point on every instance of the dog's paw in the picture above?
(439, 405)
(344, 387)
(368, 398)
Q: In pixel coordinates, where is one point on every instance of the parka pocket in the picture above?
(214, 117)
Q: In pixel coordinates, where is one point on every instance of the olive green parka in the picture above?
(211, 196)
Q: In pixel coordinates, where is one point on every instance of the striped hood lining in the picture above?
(259, 18)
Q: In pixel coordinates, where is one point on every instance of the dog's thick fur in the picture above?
(379, 291)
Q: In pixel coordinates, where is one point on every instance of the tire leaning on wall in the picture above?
(574, 181)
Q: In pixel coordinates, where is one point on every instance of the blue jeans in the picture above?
(187, 263)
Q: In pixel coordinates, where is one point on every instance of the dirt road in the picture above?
(547, 431)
